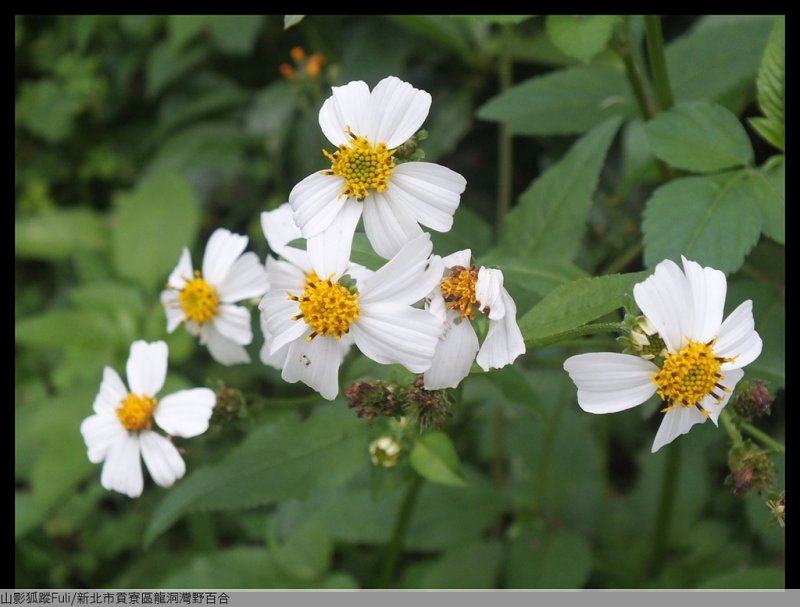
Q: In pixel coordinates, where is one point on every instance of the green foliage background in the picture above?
(138, 135)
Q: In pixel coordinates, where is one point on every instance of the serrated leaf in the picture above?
(59, 234)
(770, 87)
(549, 220)
(771, 197)
(708, 62)
(572, 100)
(290, 20)
(575, 304)
(153, 224)
(581, 36)
(539, 558)
(699, 136)
(282, 460)
(714, 221)
(434, 457)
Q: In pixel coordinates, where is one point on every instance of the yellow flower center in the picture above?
(327, 307)
(136, 412)
(364, 167)
(690, 375)
(458, 290)
(198, 300)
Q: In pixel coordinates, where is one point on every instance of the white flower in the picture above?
(205, 300)
(367, 128)
(704, 354)
(313, 311)
(455, 301)
(121, 427)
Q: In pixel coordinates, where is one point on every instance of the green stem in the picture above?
(766, 439)
(666, 500)
(599, 327)
(621, 262)
(658, 62)
(399, 532)
(505, 148)
(730, 427)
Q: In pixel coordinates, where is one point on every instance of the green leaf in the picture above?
(471, 232)
(568, 101)
(581, 36)
(550, 218)
(307, 553)
(363, 254)
(435, 458)
(290, 20)
(167, 62)
(511, 19)
(771, 196)
(236, 34)
(152, 225)
(183, 28)
(757, 577)
(575, 304)
(282, 460)
(770, 86)
(473, 565)
(65, 328)
(270, 114)
(59, 233)
(46, 110)
(448, 33)
(710, 61)
(538, 275)
(714, 221)
(540, 558)
(700, 137)
(241, 567)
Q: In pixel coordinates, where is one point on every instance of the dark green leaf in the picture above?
(183, 28)
(60, 233)
(512, 19)
(240, 567)
(770, 84)
(235, 34)
(167, 63)
(550, 218)
(538, 558)
(470, 566)
(770, 190)
(758, 577)
(435, 458)
(714, 221)
(568, 101)
(581, 36)
(306, 555)
(46, 110)
(700, 137)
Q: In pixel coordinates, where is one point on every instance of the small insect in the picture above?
(305, 360)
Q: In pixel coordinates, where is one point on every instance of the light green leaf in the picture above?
(539, 558)
(270, 114)
(236, 34)
(714, 221)
(581, 36)
(710, 61)
(83, 328)
(700, 137)
(512, 19)
(770, 86)
(59, 233)
(290, 20)
(757, 577)
(568, 101)
(153, 224)
(108, 297)
(771, 196)
(473, 565)
(435, 458)
(282, 460)
(550, 218)
(183, 28)
(575, 304)
(46, 110)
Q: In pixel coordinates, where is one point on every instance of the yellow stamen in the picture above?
(458, 290)
(327, 307)
(198, 300)
(364, 167)
(136, 412)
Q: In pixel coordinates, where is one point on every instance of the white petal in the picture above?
(453, 358)
(710, 404)
(316, 364)
(490, 293)
(329, 251)
(708, 288)
(461, 258)
(247, 278)
(122, 470)
(284, 276)
(398, 110)
(221, 348)
(676, 422)
(279, 228)
(112, 393)
(186, 412)
(388, 226)
(183, 272)
(233, 323)
(162, 459)
(147, 367)
(222, 250)
(608, 382)
(503, 342)
(348, 106)
(100, 432)
(408, 277)
(435, 305)
(315, 202)
(276, 360)
(172, 308)
(738, 338)
(429, 191)
(389, 333)
(277, 311)
(665, 299)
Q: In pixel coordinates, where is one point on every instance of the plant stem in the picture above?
(666, 501)
(763, 437)
(599, 327)
(504, 143)
(399, 531)
(657, 60)
(730, 427)
(624, 259)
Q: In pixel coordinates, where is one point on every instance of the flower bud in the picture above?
(373, 399)
(385, 451)
(752, 399)
(750, 468)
